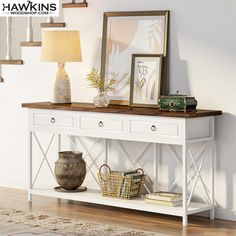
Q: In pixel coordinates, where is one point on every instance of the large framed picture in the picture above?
(146, 80)
(127, 33)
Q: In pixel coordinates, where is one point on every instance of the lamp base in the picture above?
(62, 89)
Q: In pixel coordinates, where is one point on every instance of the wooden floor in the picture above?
(168, 225)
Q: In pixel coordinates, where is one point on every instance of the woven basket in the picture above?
(115, 184)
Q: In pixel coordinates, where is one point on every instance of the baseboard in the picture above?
(10, 183)
(225, 214)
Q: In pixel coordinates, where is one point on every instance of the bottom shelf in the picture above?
(94, 196)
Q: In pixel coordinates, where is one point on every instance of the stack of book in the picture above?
(164, 198)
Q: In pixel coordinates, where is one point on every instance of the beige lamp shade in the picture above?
(61, 46)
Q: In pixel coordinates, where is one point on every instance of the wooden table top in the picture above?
(117, 109)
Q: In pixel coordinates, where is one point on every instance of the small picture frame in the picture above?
(146, 80)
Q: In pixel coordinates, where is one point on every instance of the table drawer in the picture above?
(160, 128)
(54, 120)
(103, 124)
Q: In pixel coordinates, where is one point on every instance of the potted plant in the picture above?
(95, 81)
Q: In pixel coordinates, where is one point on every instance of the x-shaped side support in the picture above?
(201, 153)
(88, 151)
(178, 160)
(198, 175)
(134, 162)
(44, 157)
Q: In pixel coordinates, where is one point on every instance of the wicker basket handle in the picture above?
(140, 169)
(100, 172)
(104, 165)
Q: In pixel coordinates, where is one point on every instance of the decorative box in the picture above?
(177, 102)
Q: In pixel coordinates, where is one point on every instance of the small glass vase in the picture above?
(101, 100)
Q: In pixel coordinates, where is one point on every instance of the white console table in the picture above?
(134, 124)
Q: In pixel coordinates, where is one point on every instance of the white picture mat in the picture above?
(147, 73)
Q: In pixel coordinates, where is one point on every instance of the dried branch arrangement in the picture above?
(96, 81)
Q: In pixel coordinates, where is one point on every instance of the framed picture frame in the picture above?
(127, 33)
(146, 80)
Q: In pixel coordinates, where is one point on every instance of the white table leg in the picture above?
(107, 144)
(185, 189)
(59, 142)
(156, 157)
(212, 212)
(30, 166)
(106, 148)
(59, 149)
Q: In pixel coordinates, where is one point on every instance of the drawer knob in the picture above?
(100, 124)
(153, 128)
(53, 121)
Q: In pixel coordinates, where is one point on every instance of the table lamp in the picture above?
(61, 46)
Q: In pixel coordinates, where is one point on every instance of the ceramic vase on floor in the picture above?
(70, 170)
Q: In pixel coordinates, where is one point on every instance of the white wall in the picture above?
(202, 63)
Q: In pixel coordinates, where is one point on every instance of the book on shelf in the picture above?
(165, 196)
(128, 172)
(127, 184)
(163, 203)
